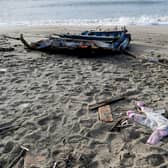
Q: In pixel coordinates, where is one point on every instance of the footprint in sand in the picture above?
(150, 160)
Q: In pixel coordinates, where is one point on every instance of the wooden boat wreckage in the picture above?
(88, 42)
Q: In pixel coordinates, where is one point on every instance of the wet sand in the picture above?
(46, 97)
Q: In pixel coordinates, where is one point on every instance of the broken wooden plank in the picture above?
(105, 113)
(105, 102)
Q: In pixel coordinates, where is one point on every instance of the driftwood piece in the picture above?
(21, 154)
(105, 102)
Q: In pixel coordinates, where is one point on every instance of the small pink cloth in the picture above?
(156, 136)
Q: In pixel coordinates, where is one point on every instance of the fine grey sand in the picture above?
(46, 96)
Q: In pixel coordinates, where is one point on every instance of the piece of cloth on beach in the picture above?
(156, 121)
(157, 135)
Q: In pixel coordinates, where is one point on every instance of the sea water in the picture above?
(83, 12)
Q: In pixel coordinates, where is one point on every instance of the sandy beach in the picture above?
(45, 97)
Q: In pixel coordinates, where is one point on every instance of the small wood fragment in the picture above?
(105, 114)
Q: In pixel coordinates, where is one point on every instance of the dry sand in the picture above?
(47, 97)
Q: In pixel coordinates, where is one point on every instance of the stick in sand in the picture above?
(105, 102)
(21, 154)
(113, 99)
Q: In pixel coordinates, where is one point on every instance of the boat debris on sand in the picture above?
(90, 42)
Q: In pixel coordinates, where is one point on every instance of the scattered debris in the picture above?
(105, 113)
(119, 123)
(152, 119)
(21, 154)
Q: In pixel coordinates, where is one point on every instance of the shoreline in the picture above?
(48, 30)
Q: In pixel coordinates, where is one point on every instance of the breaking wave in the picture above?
(143, 20)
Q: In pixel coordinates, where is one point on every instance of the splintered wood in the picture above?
(105, 113)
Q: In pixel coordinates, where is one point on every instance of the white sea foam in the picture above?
(143, 20)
